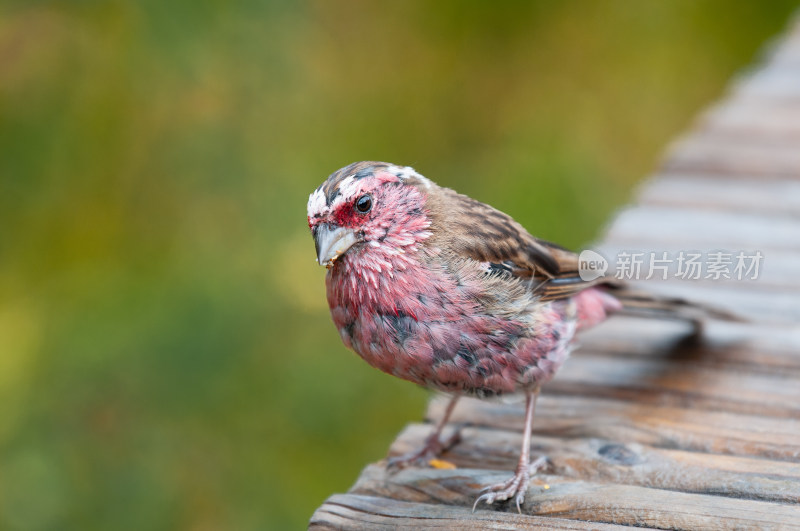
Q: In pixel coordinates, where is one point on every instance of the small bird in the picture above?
(451, 294)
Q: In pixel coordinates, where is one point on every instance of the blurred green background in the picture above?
(166, 356)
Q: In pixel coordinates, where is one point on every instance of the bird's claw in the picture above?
(517, 484)
(433, 448)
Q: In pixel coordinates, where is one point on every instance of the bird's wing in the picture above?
(478, 231)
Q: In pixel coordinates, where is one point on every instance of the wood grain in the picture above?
(656, 425)
(603, 460)
(601, 502)
(359, 512)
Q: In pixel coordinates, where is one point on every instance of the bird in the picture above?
(439, 289)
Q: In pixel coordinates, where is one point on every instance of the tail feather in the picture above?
(643, 304)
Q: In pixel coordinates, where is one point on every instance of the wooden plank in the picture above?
(764, 120)
(696, 228)
(721, 156)
(675, 382)
(606, 460)
(740, 347)
(777, 253)
(767, 199)
(729, 291)
(580, 500)
(359, 512)
(775, 306)
(658, 425)
(777, 270)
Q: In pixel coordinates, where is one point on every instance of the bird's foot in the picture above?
(433, 448)
(516, 485)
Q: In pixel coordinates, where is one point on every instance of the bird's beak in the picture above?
(332, 242)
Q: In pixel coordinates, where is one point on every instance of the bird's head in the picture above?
(368, 205)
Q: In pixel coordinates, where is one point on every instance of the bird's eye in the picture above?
(364, 203)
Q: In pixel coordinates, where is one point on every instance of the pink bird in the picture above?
(441, 290)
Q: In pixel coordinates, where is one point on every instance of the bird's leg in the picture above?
(518, 484)
(434, 446)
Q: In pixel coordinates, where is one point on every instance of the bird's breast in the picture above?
(421, 324)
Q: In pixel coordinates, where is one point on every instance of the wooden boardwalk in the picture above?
(642, 426)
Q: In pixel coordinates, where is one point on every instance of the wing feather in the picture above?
(474, 230)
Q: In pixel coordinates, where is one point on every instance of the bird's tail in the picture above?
(639, 303)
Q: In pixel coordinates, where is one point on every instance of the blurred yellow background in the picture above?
(166, 356)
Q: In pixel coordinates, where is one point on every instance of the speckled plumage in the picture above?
(440, 310)
(444, 291)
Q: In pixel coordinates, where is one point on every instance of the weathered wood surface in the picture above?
(644, 427)
(354, 511)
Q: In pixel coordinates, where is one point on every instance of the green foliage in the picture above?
(166, 356)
